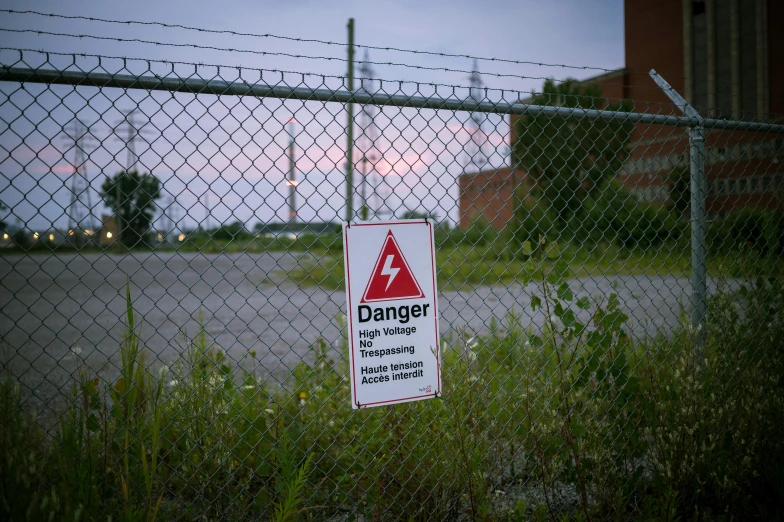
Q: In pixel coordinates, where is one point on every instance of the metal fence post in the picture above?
(698, 248)
(697, 185)
(350, 126)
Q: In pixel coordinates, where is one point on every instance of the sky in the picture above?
(224, 158)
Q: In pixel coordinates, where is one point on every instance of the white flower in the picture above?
(248, 387)
(76, 350)
(302, 402)
(471, 356)
(174, 382)
(331, 423)
(269, 411)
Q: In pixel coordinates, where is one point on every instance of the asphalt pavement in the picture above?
(57, 311)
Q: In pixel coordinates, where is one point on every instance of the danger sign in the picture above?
(392, 277)
(392, 312)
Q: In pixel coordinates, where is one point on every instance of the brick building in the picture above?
(725, 57)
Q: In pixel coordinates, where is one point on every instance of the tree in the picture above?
(415, 214)
(570, 159)
(232, 232)
(3, 208)
(679, 187)
(132, 197)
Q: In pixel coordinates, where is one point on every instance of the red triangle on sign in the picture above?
(391, 278)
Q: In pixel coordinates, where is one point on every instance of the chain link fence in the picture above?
(172, 302)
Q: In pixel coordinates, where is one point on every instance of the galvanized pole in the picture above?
(350, 127)
(699, 265)
(292, 181)
(698, 248)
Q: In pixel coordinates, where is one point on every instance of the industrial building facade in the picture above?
(725, 57)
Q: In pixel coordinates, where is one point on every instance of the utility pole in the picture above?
(207, 210)
(350, 127)
(292, 181)
(370, 133)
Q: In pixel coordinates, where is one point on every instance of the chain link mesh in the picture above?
(197, 336)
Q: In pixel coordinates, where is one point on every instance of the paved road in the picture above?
(50, 304)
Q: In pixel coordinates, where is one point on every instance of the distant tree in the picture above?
(415, 214)
(570, 159)
(679, 187)
(230, 232)
(22, 238)
(132, 197)
(3, 208)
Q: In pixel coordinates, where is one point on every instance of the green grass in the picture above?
(465, 267)
(635, 430)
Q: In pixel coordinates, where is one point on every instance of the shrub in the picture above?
(533, 221)
(573, 421)
(614, 214)
(748, 229)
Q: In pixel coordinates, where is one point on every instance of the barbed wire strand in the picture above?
(308, 57)
(521, 94)
(338, 59)
(304, 40)
(258, 53)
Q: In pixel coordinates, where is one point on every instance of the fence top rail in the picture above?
(260, 90)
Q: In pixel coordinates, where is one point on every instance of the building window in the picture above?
(731, 186)
(765, 184)
(753, 185)
(741, 186)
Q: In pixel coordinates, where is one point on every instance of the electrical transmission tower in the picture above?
(130, 132)
(368, 138)
(78, 137)
(476, 158)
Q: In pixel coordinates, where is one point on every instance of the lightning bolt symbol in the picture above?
(389, 271)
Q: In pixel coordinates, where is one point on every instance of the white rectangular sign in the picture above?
(392, 312)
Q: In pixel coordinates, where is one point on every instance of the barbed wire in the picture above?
(604, 70)
(309, 57)
(265, 53)
(304, 40)
(519, 94)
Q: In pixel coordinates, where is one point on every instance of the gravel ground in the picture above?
(51, 304)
